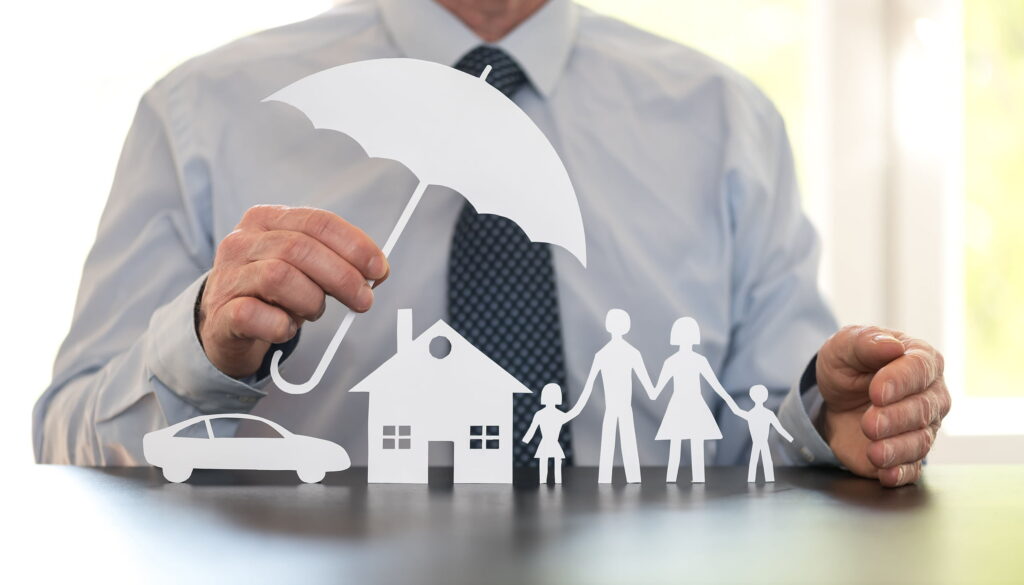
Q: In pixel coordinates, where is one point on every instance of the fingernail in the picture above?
(889, 455)
(888, 391)
(375, 268)
(882, 426)
(365, 297)
(899, 474)
(293, 328)
(884, 338)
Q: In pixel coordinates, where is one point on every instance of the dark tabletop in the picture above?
(961, 525)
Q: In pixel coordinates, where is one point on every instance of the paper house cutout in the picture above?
(438, 387)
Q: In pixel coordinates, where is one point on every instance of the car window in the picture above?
(245, 429)
(196, 431)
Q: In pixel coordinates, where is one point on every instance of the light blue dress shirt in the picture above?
(686, 186)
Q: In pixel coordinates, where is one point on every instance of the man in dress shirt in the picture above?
(686, 185)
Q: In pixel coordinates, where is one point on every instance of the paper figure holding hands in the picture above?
(616, 362)
(687, 416)
(761, 419)
(549, 420)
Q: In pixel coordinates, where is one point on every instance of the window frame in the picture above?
(487, 438)
(400, 436)
(893, 220)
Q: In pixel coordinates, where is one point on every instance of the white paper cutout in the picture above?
(419, 396)
(310, 457)
(761, 420)
(687, 416)
(549, 421)
(617, 362)
(449, 129)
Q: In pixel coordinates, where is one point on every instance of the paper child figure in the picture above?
(761, 419)
(549, 420)
(616, 362)
(687, 415)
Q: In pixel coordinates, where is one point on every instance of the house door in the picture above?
(440, 455)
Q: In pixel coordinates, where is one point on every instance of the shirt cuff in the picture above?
(175, 357)
(801, 405)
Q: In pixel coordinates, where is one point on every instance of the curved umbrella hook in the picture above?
(346, 323)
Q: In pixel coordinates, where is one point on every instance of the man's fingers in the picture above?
(900, 475)
(249, 318)
(848, 361)
(866, 349)
(910, 414)
(345, 239)
(918, 368)
(279, 283)
(332, 273)
(901, 449)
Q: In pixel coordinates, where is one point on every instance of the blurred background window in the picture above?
(994, 191)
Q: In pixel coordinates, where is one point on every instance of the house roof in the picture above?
(470, 361)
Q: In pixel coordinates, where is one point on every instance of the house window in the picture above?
(483, 437)
(397, 437)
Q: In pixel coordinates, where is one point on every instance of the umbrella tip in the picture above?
(487, 71)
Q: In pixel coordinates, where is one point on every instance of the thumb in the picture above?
(848, 361)
(866, 349)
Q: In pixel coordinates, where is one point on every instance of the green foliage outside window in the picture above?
(994, 180)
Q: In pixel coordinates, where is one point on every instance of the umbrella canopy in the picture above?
(449, 129)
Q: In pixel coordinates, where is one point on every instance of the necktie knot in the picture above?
(506, 75)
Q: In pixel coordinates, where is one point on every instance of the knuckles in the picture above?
(275, 274)
(293, 248)
(319, 223)
(234, 245)
(240, 313)
(259, 214)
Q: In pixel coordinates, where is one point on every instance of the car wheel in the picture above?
(311, 475)
(177, 474)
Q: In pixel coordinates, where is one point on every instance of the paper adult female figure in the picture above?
(687, 416)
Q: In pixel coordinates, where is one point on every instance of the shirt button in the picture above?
(808, 456)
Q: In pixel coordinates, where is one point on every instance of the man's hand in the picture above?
(272, 273)
(884, 401)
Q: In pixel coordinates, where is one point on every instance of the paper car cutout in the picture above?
(310, 457)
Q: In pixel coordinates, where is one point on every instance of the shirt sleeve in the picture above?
(797, 412)
(779, 318)
(132, 361)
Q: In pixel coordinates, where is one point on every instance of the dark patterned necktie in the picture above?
(501, 287)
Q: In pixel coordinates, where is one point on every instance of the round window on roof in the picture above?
(440, 347)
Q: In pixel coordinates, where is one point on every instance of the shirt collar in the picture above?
(423, 29)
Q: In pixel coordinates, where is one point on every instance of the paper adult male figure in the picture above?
(616, 362)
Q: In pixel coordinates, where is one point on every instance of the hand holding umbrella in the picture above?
(449, 129)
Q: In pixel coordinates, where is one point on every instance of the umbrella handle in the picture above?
(346, 323)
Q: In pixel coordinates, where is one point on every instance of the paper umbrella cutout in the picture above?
(450, 129)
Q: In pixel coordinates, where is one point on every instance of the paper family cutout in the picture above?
(687, 416)
(456, 394)
(178, 451)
